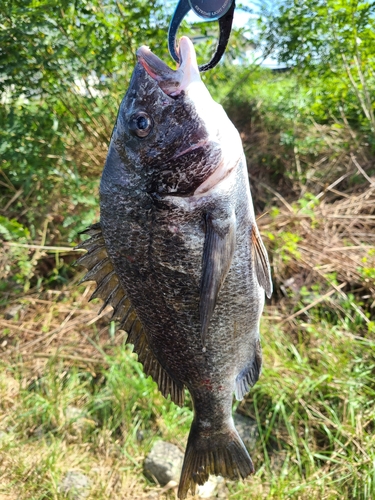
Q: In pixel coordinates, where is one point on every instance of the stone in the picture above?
(10, 386)
(73, 413)
(164, 463)
(140, 435)
(13, 311)
(247, 429)
(279, 461)
(75, 485)
(6, 437)
(210, 488)
(77, 419)
(39, 432)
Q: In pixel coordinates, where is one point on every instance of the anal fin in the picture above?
(217, 258)
(261, 262)
(100, 269)
(248, 377)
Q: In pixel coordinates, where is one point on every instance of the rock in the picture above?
(11, 386)
(295, 283)
(73, 413)
(75, 485)
(13, 311)
(77, 419)
(211, 487)
(247, 429)
(164, 463)
(279, 461)
(39, 432)
(6, 437)
(140, 435)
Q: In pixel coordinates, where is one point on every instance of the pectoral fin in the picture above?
(261, 262)
(217, 259)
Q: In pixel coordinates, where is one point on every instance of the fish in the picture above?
(179, 257)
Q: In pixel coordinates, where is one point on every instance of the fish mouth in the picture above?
(172, 82)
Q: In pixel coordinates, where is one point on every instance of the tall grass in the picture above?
(314, 408)
(73, 397)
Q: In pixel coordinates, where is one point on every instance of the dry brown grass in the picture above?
(61, 324)
(335, 233)
(335, 237)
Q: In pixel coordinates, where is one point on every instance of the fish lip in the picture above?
(172, 82)
(154, 66)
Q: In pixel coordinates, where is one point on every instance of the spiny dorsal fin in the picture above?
(261, 262)
(217, 258)
(109, 289)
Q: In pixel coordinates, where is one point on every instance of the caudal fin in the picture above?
(221, 454)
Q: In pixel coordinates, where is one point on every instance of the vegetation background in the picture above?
(72, 396)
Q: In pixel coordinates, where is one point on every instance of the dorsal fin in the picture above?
(100, 269)
(261, 263)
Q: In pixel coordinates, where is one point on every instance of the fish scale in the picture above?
(178, 255)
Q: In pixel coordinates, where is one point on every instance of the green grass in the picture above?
(69, 419)
(314, 406)
(315, 403)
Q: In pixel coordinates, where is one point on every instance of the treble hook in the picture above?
(212, 10)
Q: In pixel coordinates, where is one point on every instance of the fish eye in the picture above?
(140, 124)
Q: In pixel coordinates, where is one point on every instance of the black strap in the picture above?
(225, 25)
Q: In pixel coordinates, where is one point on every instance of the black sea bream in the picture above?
(178, 255)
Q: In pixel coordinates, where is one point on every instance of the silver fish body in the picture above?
(185, 268)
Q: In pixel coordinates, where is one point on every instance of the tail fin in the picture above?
(221, 454)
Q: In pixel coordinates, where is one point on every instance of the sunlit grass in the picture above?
(315, 411)
(314, 407)
(68, 419)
